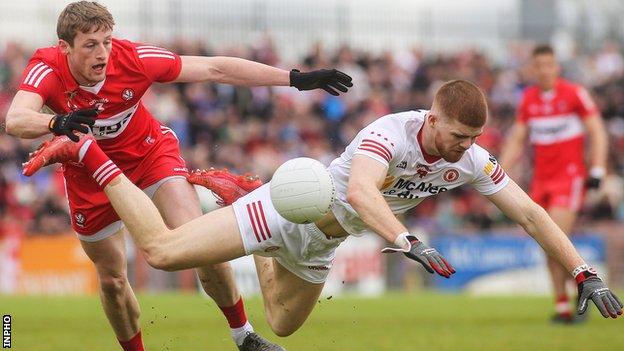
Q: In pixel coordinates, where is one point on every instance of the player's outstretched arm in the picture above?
(517, 205)
(23, 118)
(365, 181)
(24, 121)
(598, 149)
(237, 71)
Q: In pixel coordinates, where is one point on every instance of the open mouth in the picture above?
(99, 68)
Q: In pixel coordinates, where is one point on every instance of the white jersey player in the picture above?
(391, 166)
(395, 141)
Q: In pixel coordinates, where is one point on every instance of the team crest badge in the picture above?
(127, 94)
(422, 170)
(80, 219)
(451, 175)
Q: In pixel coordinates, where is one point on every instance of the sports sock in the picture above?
(562, 305)
(101, 168)
(134, 344)
(239, 325)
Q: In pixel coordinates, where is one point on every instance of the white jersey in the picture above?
(392, 141)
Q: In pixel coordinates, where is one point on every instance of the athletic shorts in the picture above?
(92, 215)
(300, 248)
(567, 193)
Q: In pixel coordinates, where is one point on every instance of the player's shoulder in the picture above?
(531, 92)
(565, 84)
(48, 55)
(400, 120)
(42, 70)
(476, 155)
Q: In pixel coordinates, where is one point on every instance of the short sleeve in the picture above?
(159, 64)
(379, 140)
(585, 103)
(38, 77)
(489, 175)
(522, 113)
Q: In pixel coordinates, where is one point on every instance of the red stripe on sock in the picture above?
(235, 315)
(93, 161)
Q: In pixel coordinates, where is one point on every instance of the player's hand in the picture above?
(330, 80)
(73, 121)
(592, 287)
(429, 257)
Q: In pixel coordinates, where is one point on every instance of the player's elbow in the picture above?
(10, 125)
(533, 215)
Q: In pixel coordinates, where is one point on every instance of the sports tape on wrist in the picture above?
(580, 269)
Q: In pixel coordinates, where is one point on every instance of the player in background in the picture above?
(93, 79)
(555, 114)
(391, 166)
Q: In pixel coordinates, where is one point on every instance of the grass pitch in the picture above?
(429, 321)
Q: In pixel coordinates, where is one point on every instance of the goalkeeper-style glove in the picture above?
(73, 121)
(595, 178)
(590, 286)
(330, 80)
(429, 257)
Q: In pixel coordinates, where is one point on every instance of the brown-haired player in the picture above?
(93, 79)
(391, 166)
(556, 114)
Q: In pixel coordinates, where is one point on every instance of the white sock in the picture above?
(239, 334)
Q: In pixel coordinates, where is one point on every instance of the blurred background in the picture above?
(398, 53)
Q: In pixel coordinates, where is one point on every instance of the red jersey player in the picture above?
(93, 79)
(555, 114)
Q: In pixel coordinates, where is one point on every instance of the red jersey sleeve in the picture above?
(585, 104)
(38, 77)
(159, 64)
(521, 113)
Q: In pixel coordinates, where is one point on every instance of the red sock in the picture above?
(235, 315)
(562, 305)
(134, 344)
(101, 168)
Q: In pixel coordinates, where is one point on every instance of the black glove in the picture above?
(73, 121)
(593, 182)
(330, 80)
(592, 287)
(429, 257)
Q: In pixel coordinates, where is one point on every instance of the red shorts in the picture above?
(567, 193)
(92, 215)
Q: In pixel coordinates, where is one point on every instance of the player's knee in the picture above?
(113, 284)
(159, 259)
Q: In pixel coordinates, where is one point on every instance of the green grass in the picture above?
(428, 322)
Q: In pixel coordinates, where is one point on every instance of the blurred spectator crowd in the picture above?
(256, 129)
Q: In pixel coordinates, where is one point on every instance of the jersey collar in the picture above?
(428, 158)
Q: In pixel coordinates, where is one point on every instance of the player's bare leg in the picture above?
(288, 299)
(565, 219)
(178, 203)
(118, 300)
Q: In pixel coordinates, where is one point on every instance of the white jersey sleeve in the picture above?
(380, 140)
(489, 175)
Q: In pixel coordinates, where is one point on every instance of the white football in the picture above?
(302, 190)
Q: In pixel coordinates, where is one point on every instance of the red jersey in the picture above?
(124, 128)
(556, 131)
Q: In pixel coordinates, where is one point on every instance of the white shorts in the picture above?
(300, 248)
